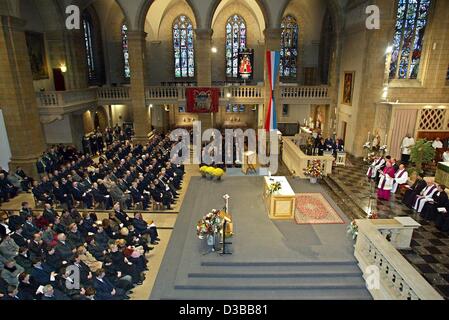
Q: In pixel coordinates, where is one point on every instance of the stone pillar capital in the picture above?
(204, 34)
(136, 35)
(272, 33)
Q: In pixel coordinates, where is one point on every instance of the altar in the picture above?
(280, 204)
(442, 173)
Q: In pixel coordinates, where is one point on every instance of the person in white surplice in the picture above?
(400, 178)
(374, 168)
(426, 196)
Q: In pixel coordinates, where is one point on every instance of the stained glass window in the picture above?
(87, 26)
(183, 47)
(125, 49)
(411, 21)
(289, 47)
(235, 41)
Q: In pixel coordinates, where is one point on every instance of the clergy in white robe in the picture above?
(375, 167)
(425, 196)
(400, 178)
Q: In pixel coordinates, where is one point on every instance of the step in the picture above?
(278, 274)
(352, 282)
(275, 263)
(275, 287)
(300, 294)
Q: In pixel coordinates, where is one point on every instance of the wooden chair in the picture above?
(341, 159)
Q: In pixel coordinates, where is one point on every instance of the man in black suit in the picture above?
(121, 215)
(49, 213)
(40, 194)
(101, 197)
(137, 196)
(105, 290)
(18, 238)
(64, 248)
(41, 273)
(29, 228)
(8, 190)
(25, 181)
(83, 195)
(61, 195)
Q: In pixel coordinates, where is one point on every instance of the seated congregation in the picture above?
(41, 248)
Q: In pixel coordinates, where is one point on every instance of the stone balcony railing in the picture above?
(295, 93)
(397, 279)
(61, 102)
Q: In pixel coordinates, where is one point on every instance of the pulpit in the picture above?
(229, 223)
(280, 204)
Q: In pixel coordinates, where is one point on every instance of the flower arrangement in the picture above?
(370, 157)
(203, 170)
(373, 215)
(314, 169)
(218, 173)
(208, 225)
(274, 187)
(367, 145)
(211, 172)
(353, 229)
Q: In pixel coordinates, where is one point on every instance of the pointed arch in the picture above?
(214, 6)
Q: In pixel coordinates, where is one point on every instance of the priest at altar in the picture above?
(400, 178)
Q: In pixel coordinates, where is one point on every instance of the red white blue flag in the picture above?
(273, 60)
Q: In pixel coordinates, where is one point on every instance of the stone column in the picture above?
(76, 76)
(18, 100)
(272, 43)
(142, 121)
(203, 61)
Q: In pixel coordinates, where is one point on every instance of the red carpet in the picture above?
(313, 208)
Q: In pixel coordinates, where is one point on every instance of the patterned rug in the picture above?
(313, 208)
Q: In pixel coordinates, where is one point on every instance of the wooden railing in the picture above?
(296, 161)
(397, 279)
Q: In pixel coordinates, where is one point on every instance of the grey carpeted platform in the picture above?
(270, 260)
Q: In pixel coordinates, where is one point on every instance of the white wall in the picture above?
(58, 131)
(5, 151)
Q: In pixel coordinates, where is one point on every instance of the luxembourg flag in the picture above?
(273, 59)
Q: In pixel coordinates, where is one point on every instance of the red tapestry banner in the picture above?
(202, 100)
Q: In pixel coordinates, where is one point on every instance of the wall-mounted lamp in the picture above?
(63, 68)
(228, 95)
(214, 49)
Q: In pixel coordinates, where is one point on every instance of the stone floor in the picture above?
(430, 247)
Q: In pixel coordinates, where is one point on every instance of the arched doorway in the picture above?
(101, 119)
